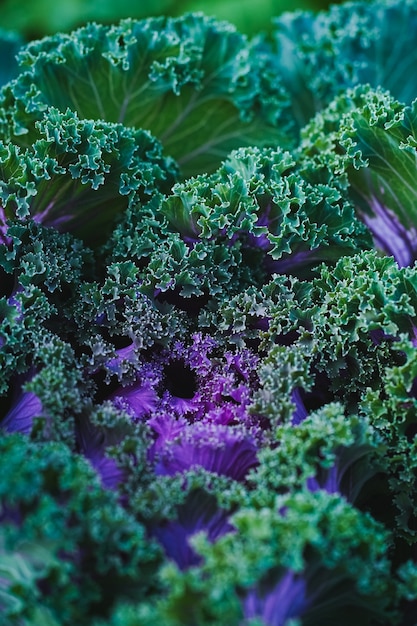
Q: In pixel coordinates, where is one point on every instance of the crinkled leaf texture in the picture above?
(193, 82)
(216, 235)
(79, 175)
(231, 358)
(62, 531)
(321, 55)
(369, 137)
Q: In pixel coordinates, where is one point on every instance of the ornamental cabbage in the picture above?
(208, 322)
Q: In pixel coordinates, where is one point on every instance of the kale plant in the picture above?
(208, 322)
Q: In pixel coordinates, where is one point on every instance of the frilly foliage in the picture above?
(208, 305)
(81, 174)
(193, 82)
(320, 56)
(54, 511)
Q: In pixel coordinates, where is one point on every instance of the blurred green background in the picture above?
(36, 18)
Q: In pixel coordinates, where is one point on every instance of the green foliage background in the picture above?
(43, 17)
